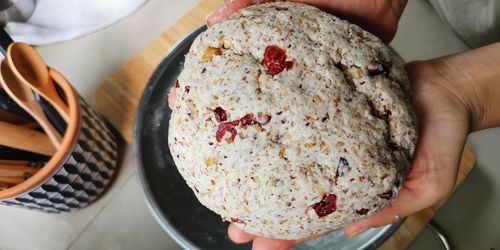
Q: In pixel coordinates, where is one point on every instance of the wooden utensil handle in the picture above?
(25, 139)
(23, 163)
(11, 180)
(4, 185)
(29, 125)
(11, 118)
(17, 171)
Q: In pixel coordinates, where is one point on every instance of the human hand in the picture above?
(452, 96)
(379, 17)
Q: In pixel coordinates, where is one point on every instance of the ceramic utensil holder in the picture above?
(81, 169)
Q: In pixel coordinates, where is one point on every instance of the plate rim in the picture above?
(137, 143)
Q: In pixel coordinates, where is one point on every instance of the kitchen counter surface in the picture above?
(121, 218)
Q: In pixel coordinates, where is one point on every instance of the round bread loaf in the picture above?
(290, 121)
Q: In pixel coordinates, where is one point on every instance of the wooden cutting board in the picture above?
(117, 98)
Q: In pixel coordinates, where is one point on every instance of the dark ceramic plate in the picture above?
(172, 202)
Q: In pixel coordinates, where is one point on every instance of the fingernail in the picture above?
(396, 218)
(357, 231)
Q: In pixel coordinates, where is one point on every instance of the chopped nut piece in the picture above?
(257, 76)
(210, 52)
(338, 56)
(271, 182)
(282, 152)
(211, 161)
(355, 72)
(323, 147)
(317, 99)
(191, 107)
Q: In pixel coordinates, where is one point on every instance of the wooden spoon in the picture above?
(29, 66)
(22, 94)
(23, 138)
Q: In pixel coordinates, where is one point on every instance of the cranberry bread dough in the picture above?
(290, 121)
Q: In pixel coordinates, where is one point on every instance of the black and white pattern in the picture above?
(84, 175)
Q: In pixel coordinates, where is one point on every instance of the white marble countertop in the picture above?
(121, 219)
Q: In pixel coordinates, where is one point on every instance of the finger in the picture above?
(239, 236)
(171, 98)
(373, 16)
(261, 243)
(229, 8)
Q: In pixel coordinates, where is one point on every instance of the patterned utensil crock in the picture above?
(79, 172)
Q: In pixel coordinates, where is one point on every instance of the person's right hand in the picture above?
(377, 16)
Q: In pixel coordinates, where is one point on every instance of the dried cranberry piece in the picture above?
(263, 118)
(248, 120)
(236, 220)
(227, 127)
(289, 64)
(274, 68)
(187, 89)
(362, 211)
(275, 60)
(326, 206)
(387, 195)
(177, 85)
(377, 68)
(220, 114)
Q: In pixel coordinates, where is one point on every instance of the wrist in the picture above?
(474, 79)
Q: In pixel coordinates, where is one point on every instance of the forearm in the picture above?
(476, 78)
